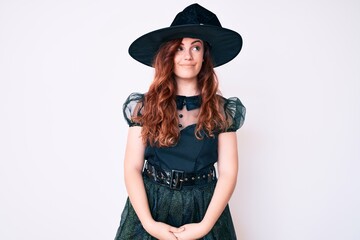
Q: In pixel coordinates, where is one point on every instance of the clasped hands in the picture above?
(163, 231)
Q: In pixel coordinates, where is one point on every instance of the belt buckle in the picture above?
(176, 179)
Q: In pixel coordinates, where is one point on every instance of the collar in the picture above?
(191, 103)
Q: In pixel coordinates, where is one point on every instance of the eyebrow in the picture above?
(196, 41)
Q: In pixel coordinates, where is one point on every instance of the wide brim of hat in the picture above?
(225, 43)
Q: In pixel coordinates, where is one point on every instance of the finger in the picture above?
(175, 236)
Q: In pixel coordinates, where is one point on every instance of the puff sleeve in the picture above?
(132, 108)
(234, 113)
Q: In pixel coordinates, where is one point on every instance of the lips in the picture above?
(187, 65)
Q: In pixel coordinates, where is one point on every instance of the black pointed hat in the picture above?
(194, 21)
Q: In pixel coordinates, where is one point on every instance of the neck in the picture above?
(187, 88)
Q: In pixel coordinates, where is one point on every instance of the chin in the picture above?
(186, 77)
(189, 75)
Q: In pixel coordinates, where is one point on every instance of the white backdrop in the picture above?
(65, 72)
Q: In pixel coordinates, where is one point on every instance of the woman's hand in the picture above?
(192, 231)
(163, 231)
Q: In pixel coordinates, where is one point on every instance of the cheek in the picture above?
(177, 58)
(200, 60)
(200, 57)
(199, 67)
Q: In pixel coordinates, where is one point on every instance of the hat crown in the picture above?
(196, 14)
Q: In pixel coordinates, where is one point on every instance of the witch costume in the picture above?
(180, 180)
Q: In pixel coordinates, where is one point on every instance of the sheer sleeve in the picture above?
(234, 113)
(132, 108)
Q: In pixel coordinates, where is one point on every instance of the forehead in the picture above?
(191, 41)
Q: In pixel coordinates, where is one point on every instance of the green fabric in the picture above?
(175, 208)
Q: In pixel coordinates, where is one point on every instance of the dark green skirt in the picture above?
(176, 208)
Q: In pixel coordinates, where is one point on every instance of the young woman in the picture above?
(178, 130)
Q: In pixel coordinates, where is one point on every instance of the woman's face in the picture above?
(188, 59)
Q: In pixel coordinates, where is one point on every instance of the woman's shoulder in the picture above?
(225, 100)
(132, 108)
(234, 112)
(135, 96)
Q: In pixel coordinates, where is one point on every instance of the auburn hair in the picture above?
(158, 119)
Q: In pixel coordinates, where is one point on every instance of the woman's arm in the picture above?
(227, 169)
(133, 165)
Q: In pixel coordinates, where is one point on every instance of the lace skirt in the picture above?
(176, 208)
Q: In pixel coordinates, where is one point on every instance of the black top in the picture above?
(189, 154)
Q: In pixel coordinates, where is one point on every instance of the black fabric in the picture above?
(196, 14)
(191, 103)
(189, 154)
(188, 204)
(194, 21)
(233, 108)
(178, 179)
(175, 208)
(133, 107)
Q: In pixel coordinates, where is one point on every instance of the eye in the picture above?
(196, 48)
(180, 48)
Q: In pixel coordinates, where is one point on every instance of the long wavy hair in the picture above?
(158, 118)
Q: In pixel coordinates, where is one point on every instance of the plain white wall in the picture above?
(65, 72)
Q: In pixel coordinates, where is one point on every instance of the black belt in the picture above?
(175, 179)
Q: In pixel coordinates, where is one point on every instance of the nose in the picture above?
(187, 54)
